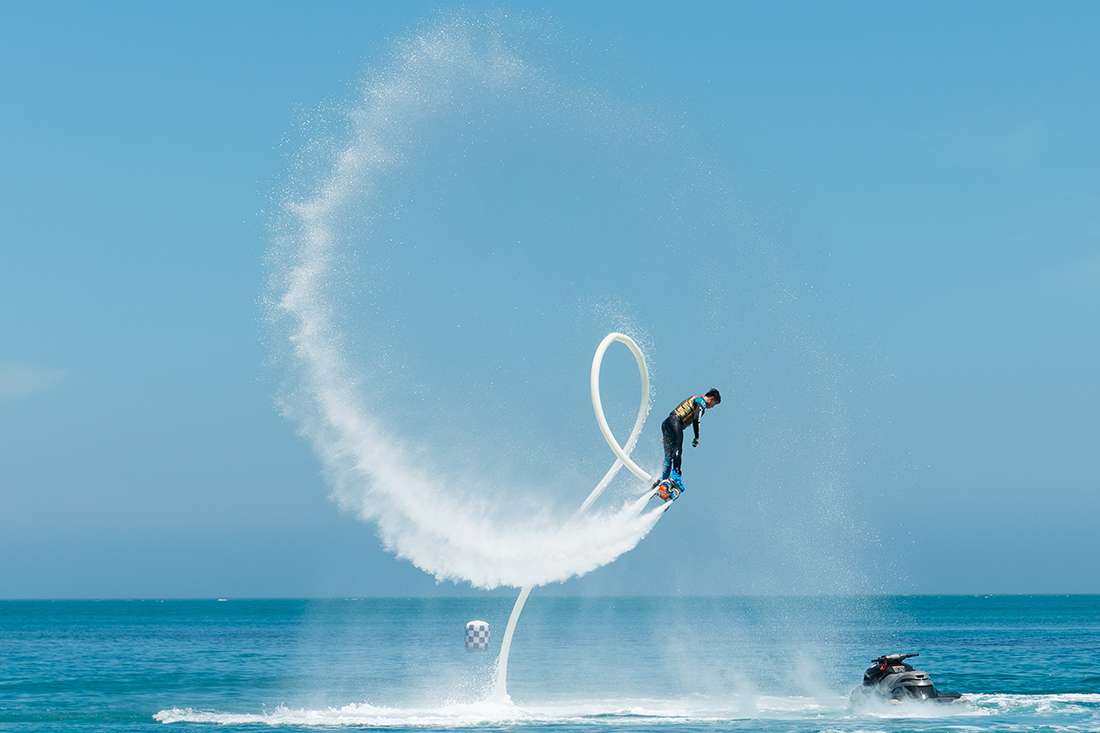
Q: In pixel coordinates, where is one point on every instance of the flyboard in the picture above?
(622, 458)
(669, 489)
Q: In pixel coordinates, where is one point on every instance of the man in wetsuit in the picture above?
(686, 413)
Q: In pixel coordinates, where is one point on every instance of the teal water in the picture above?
(696, 664)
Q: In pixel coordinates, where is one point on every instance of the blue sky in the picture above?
(923, 177)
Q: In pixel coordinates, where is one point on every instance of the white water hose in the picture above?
(622, 458)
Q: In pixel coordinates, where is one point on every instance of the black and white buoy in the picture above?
(477, 636)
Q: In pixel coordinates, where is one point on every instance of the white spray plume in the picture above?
(426, 514)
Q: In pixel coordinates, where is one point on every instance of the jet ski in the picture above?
(891, 679)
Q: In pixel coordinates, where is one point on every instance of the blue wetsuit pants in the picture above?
(673, 432)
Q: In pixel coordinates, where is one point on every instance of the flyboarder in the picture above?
(686, 413)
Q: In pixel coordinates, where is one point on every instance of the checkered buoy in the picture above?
(477, 636)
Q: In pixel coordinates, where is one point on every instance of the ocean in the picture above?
(779, 665)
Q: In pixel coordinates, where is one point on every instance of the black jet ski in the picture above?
(892, 680)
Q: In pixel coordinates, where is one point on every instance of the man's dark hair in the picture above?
(714, 393)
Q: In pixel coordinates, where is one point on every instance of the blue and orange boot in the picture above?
(671, 487)
(677, 484)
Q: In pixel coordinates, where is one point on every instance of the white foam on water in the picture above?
(614, 711)
(833, 713)
(1039, 704)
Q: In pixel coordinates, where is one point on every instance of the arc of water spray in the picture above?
(622, 458)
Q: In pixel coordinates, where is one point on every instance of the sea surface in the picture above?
(777, 665)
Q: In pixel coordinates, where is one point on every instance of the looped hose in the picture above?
(622, 458)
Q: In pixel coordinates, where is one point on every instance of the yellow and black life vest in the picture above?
(686, 410)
